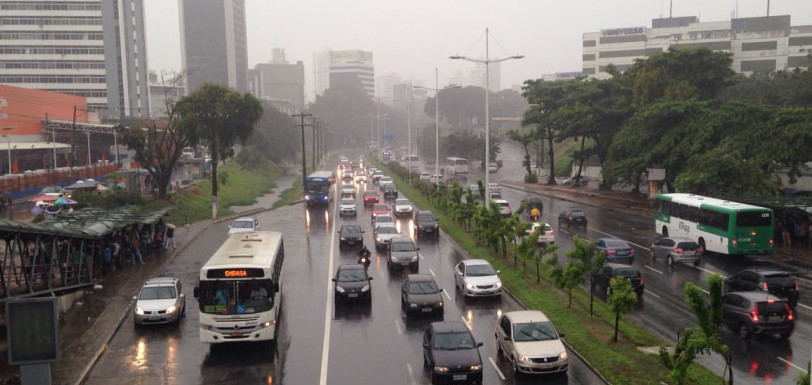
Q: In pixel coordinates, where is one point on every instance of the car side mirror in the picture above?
(370, 277)
(135, 297)
(182, 295)
(560, 335)
(479, 344)
(498, 271)
(507, 337)
(196, 292)
(334, 279)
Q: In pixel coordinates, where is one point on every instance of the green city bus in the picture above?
(717, 225)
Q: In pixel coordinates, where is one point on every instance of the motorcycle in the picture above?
(534, 218)
(364, 257)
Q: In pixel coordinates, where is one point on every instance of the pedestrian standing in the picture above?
(108, 259)
(170, 236)
(117, 252)
(136, 248)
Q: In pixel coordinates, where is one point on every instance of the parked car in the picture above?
(529, 341)
(350, 235)
(384, 234)
(504, 207)
(56, 191)
(243, 225)
(420, 294)
(352, 283)
(493, 167)
(403, 253)
(573, 217)
(576, 181)
(403, 207)
(612, 271)
(348, 190)
(425, 175)
(617, 250)
(474, 188)
(546, 233)
(160, 300)
(477, 278)
(451, 353)
(370, 197)
(390, 191)
(675, 250)
(776, 282)
(757, 312)
(425, 223)
(378, 209)
(347, 206)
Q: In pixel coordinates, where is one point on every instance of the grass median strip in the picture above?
(620, 362)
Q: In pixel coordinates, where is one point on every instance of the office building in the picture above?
(384, 87)
(92, 49)
(350, 68)
(279, 82)
(494, 74)
(164, 88)
(758, 44)
(213, 43)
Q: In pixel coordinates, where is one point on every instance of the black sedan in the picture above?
(573, 217)
(612, 271)
(451, 353)
(420, 295)
(776, 282)
(350, 235)
(352, 284)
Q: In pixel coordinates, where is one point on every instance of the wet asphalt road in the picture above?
(376, 343)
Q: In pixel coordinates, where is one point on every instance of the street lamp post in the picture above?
(436, 90)
(8, 138)
(487, 63)
(88, 148)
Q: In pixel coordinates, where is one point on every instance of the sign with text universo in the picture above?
(623, 31)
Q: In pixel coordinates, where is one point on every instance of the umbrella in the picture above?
(44, 198)
(64, 201)
(36, 210)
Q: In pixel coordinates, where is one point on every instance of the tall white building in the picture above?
(384, 87)
(349, 68)
(478, 76)
(90, 48)
(757, 43)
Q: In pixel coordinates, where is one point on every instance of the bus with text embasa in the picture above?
(239, 291)
(717, 225)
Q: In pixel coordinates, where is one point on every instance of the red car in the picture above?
(370, 197)
(379, 209)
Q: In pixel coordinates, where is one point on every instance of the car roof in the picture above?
(351, 266)
(499, 201)
(472, 262)
(421, 278)
(526, 316)
(402, 238)
(766, 272)
(757, 296)
(617, 266)
(449, 326)
(240, 219)
(161, 281)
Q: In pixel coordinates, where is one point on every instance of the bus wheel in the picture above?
(665, 231)
(702, 246)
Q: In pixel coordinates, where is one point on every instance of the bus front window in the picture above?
(235, 297)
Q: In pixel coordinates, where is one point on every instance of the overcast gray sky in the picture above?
(412, 37)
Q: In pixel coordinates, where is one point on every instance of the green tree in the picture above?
(525, 138)
(591, 261)
(545, 99)
(347, 109)
(277, 136)
(621, 301)
(219, 117)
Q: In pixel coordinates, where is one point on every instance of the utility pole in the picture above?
(313, 145)
(72, 156)
(304, 160)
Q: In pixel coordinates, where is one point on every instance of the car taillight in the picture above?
(734, 242)
(771, 241)
(753, 233)
(552, 232)
(790, 315)
(763, 286)
(586, 218)
(610, 251)
(570, 217)
(641, 282)
(699, 250)
(796, 285)
(676, 250)
(632, 252)
(754, 314)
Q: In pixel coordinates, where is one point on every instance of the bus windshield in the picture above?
(235, 296)
(317, 187)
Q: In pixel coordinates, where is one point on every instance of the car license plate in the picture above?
(154, 317)
(427, 310)
(236, 334)
(774, 318)
(353, 295)
(459, 377)
(429, 230)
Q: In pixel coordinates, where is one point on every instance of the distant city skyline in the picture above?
(411, 39)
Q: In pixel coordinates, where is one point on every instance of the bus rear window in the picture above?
(754, 219)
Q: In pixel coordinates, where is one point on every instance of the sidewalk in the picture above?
(93, 320)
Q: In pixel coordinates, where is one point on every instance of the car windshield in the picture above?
(617, 244)
(534, 331)
(425, 218)
(370, 193)
(351, 230)
(402, 202)
(157, 292)
(383, 219)
(628, 273)
(351, 275)
(347, 202)
(454, 341)
(387, 230)
(403, 246)
(479, 270)
(423, 288)
(242, 224)
(380, 208)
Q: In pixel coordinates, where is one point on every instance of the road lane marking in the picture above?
(651, 268)
(804, 306)
(707, 271)
(615, 236)
(411, 373)
(790, 363)
(432, 273)
(465, 321)
(388, 297)
(446, 294)
(649, 292)
(325, 347)
(398, 328)
(705, 291)
(495, 367)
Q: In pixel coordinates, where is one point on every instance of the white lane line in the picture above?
(705, 291)
(328, 307)
(648, 292)
(410, 370)
(790, 363)
(421, 256)
(465, 321)
(446, 294)
(432, 273)
(388, 297)
(653, 269)
(804, 306)
(615, 236)
(398, 328)
(495, 367)
(707, 271)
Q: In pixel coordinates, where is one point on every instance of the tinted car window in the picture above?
(352, 275)
(425, 218)
(687, 245)
(616, 243)
(479, 270)
(423, 288)
(534, 331)
(403, 246)
(453, 341)
(628, 273)
(387, 230)
(771, 307)
(351, 229)
(158, 292)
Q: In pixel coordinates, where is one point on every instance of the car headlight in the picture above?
(378, 239)
(343, 238)
(365, 288)
(394, 259)
(339, 289)
(171, 309)
(470, 286)
(414, 258)
(498, 284)
(441, 369)
(139, 311)
(440, 304)
(307, 196)
(562, 356)
(524, 358)
(207, 327)
(412, 305)
(476, 368)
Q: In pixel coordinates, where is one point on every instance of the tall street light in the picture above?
(8, 137)
(487, 63)
(436, 90)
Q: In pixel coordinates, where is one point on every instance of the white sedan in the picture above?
(546, 237)
(477, 278)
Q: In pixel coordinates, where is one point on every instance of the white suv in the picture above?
(160, 301)
(244, 225)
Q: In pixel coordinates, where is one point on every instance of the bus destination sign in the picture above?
(235, 273)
